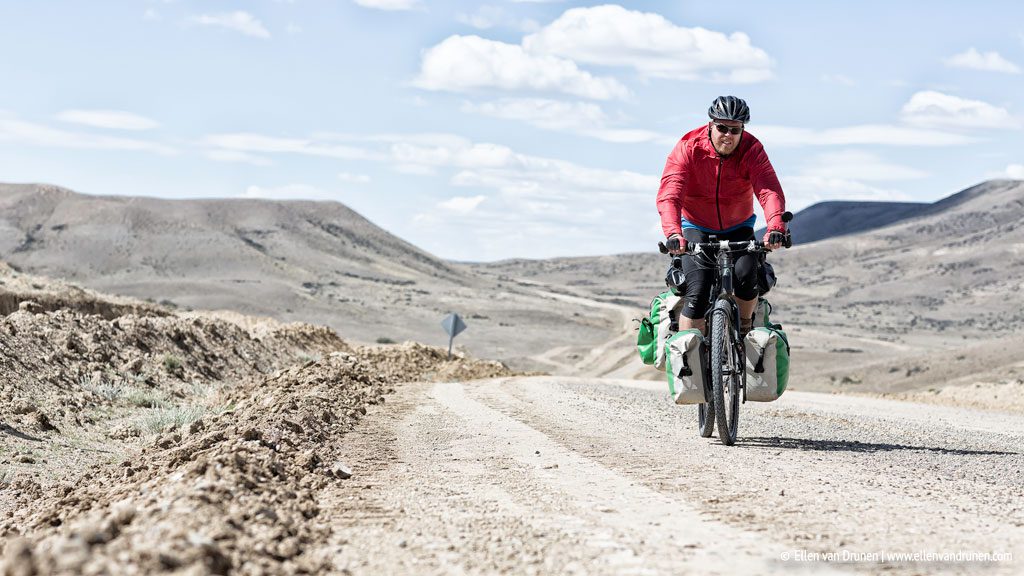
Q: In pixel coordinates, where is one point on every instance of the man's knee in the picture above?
(746, 285)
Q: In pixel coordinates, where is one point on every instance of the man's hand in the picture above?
(676, 244)
(773, 239)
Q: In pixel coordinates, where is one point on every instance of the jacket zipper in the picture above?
(718, 185)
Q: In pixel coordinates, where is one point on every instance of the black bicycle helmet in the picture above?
(729, 108)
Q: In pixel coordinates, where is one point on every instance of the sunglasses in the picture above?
(728, 129)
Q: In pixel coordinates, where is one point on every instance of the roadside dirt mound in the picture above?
(60, 363)
(195, 442)
(35, 294)
(235, 491)
(411, 361)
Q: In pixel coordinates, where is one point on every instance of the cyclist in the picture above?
(710, 180)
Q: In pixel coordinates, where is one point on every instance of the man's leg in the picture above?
(747, 308)
(699, 277)
(690, 323)
(746, 287)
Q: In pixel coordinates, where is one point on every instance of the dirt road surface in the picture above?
(558, 475)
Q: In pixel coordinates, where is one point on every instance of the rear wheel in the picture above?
(706, 411)
(725, 373)
(706, 418)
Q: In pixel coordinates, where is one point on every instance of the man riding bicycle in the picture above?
(707, 189)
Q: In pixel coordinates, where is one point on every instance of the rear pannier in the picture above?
(767, 350)
(684, 367)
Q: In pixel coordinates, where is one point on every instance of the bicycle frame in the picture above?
(722, 286)
(722, 289)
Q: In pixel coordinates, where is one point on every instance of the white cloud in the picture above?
(466, 63)
(150, 15)
(858, 165)
(935, 109)
(355, 178)
(21, 132)
(237, 156)
(838, 79)
(239, 21)
(497, 166)
(487, 17)
(288, 192)
(1015, 171)
(390, 5)
(414, 169)
(249, 142)
(543, 113)
(611, 35)
(865, 134)
(987, 61)
(462, 204)
(585, 118)
(113, 119)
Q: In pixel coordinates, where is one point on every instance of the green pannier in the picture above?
(685, 367)
(646, 341)
(655, 330)
(767, 351)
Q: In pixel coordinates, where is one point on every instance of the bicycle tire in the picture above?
(726, 393)
(706, 418)
(706, 411)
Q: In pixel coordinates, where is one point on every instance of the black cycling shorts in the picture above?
(700, 272)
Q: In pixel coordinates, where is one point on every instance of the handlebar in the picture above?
(749, 245)
(698, 247)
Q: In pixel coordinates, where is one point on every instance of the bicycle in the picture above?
(724, 354)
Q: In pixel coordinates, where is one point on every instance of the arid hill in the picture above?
(291, 260)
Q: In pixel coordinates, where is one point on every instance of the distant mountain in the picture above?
(317, 262)
(839, 218)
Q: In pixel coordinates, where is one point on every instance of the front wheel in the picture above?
(725, 373)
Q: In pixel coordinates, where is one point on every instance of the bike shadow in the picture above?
(855, 446)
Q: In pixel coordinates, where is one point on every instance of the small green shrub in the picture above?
(385, 340)
(176, 416)
(145, 398)
(172, 364)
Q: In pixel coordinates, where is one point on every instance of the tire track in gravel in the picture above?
(448, 479)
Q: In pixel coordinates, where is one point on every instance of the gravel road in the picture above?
(555, 475)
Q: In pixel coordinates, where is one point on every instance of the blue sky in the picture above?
(504, 129)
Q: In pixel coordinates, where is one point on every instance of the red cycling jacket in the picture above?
(718, 192)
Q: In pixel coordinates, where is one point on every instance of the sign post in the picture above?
(454, 326)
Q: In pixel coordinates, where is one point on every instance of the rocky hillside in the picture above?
(138, 439)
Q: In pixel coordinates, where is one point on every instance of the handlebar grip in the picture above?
(788, 242)
(662, 248)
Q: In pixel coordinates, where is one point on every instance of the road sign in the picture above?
(454, 326)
